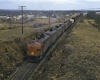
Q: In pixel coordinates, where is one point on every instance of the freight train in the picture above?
(37, 48)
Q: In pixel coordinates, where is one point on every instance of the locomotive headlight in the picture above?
(32, 53)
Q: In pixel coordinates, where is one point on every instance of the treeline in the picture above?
(96, 17)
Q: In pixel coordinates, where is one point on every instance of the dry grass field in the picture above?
(76, 58)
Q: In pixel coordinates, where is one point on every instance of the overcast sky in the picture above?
(50, 4)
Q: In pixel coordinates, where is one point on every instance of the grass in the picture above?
(89, 35)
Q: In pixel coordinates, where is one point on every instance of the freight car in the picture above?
(38, 47)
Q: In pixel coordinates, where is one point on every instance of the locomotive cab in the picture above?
(34, 50)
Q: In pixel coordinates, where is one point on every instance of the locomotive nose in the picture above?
(34, 49)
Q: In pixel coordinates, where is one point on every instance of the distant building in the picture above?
(53, 16)
(19, 17)
(15, 18)
(8, 17)
(97, 12)
(85, 14)
(3, 17)
(67, 15)
(30, 16)
(44, 17)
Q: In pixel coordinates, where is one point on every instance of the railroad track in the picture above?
(24, 72)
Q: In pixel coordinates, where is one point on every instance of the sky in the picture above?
(50, 4)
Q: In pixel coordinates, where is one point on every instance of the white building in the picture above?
(97, 12)
(30, 16)
(44, 17)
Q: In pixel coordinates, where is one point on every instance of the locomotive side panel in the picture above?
(69, 24)
(66, 25)
(45, 42)
(59, 31)
(62, 28)
(45, 46)
(53, 35)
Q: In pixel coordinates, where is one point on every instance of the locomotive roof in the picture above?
(57, 28)
(44, 38)
(47, 35)
(67, 22)
(50, 32)
(62, 25)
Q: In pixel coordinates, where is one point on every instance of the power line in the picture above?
(22, 16)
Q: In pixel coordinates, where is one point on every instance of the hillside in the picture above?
(76, 58)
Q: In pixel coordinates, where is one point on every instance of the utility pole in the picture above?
(49, 19)
(22, 16)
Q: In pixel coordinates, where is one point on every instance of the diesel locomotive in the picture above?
(37, 48)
